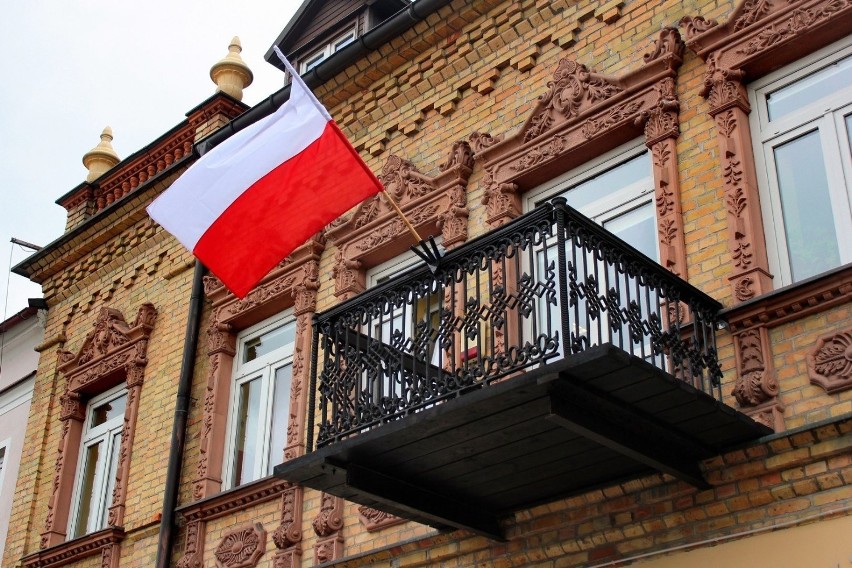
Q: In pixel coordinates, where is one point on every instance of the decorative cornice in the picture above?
(793, 302)
(151, 161)
(239, 498)
(75, 550)
(761, 35)
(278, 290)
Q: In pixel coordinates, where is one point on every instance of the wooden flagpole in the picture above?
(402, 216)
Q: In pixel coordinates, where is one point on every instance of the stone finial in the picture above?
(231, 74)
(102, 157)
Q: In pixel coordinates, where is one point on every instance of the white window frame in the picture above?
(263, 368)
(310, 60)
(106, 469)
(825, 115)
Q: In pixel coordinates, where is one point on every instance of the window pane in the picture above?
(806, 205)
(344, 41)
(269, 342)
(636, 227)
(115, 449)
(280, 417)
(87, 494)
(245, 442)
(608, 182)
(827, 81)
(108, 410)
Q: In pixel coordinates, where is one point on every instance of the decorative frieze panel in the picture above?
(582, 115)
(830, 362)
(436, 204)
(375, 520)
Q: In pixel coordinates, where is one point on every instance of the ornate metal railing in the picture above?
(547, 284)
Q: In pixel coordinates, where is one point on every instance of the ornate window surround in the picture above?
(583, 115)
(291, 284)
(366, 238)
(757, 38)
(112, 353)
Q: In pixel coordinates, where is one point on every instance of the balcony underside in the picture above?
(584, 422)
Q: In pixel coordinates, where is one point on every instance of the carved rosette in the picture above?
(241, 548)
(112, 353)
(830, 362)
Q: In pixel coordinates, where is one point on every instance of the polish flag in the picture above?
(251, 201)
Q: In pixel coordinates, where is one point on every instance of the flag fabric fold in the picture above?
(248, 203)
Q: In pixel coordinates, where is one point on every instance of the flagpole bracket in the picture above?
(428, 251)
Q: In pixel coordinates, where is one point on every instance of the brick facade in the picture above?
(472, 67)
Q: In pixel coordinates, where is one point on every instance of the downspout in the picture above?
(187, 366)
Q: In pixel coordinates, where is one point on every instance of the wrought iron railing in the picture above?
(547, 284)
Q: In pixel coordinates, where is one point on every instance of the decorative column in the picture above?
(729, 107)
(288, 536)
(71, 415)
(756, 387)
(221, 342)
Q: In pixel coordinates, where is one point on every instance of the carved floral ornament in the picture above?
(241, 548)
(110, 346)
(830, 362)
(366, 237)
(580, 116)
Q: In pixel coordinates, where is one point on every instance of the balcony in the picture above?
(543, 359)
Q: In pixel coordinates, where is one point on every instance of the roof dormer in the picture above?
(321, 28)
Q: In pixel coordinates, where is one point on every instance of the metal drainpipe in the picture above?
(193, 323)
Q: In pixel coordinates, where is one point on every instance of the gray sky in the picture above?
(71, 67)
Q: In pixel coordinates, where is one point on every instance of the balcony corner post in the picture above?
(559, 205)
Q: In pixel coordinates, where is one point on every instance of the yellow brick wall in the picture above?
(473, 68)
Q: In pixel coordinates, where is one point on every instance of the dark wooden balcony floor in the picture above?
(588, 421)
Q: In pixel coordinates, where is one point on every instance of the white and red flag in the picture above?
(251, 201)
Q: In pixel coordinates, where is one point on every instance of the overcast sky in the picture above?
(71, 67)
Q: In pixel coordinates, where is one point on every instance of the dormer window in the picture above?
(316, 57)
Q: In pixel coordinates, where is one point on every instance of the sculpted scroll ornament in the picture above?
(501, 200)
(401, 179)
(798, 22)
(572, 85)
(830, 362)
(755, 384)
(330, 518)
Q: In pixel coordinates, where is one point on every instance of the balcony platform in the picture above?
(588, 421)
